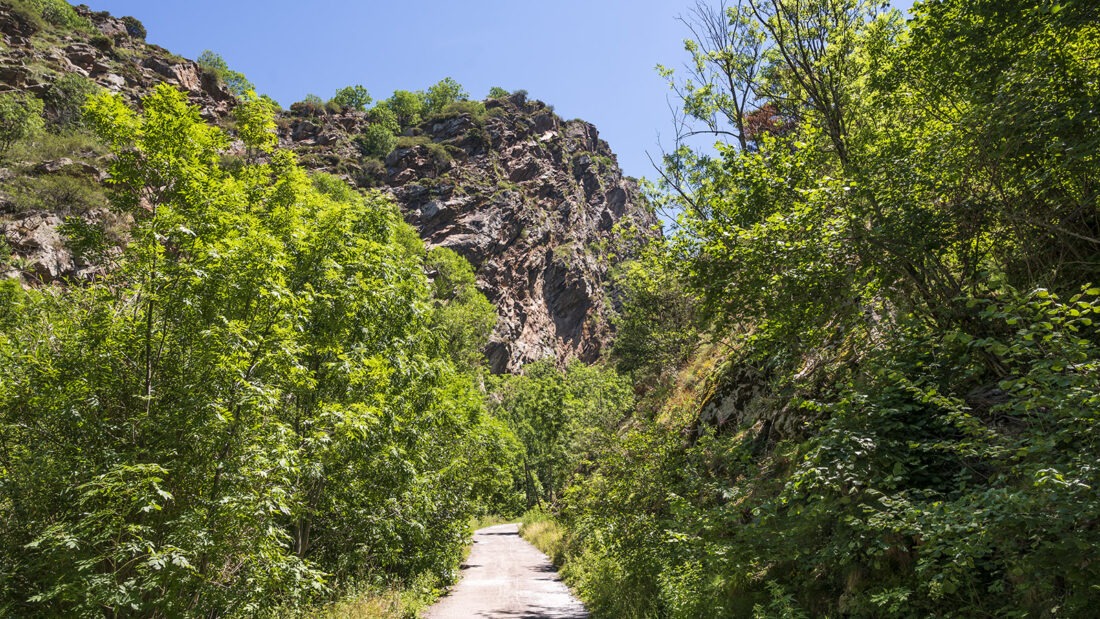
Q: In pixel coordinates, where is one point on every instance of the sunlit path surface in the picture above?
(507, 578)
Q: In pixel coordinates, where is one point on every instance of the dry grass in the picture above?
(390, 605)
(545, 534)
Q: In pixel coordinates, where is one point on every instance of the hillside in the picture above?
(529, 199)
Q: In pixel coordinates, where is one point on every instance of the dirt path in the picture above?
(507, 578)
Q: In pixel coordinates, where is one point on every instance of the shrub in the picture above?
(59, 13)
(352, 98)
(496, 92)
(65, 98)
(134, 27)
(47, 146)
(20, 117)
(443, 93)
(213, 64)
(57, 193)
(372, 173)
(312, 105)
(376, 141)
(476, 109)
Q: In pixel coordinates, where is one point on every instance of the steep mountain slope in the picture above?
(529, 199)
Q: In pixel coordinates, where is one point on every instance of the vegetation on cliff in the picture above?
(892, 408)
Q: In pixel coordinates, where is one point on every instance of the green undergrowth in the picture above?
(546, 534)
(394, 601)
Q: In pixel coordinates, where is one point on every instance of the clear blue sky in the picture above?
(590, 59)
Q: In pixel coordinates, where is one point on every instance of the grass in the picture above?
(544, 533)
(481, 522)
(393, 602)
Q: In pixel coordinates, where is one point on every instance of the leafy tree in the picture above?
(384, 116)
(656, 319)
(20, 118)
(352, 98)
(215, 65)
(252, 412)
(407, 107)
(890, 415)
(442, 94)
(496, 92)
(723, 82)
(256, 124)
(563, 420)
(464, 318)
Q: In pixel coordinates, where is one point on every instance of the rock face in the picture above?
(110, 57)
(529, 199)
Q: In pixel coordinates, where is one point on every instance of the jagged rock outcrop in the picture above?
(529, 199)
(111, 57)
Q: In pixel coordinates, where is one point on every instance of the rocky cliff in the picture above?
(528, 198)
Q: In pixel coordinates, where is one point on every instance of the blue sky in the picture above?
(590, 59)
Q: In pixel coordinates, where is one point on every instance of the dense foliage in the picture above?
(892, 410)
(562, 418)
(265, 402)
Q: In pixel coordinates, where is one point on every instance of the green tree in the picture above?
(407, 107)
(352, 98)
(442, 94)
(384, 116)
(234, 81)
(564, 419)
(496, 92)
(252, 412)
(890, 414)
(256, 124)
(464, 318)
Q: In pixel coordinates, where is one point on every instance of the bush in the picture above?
(20, 117)
(134, 27)
(58, 13)
(352, 98)
(376, 141)
(443, 93)
(372, 173)
(213, 64)
(312, 105)
(496, 92)
(47, 146)
(56, 193)
(65, 98)
(475, 109)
